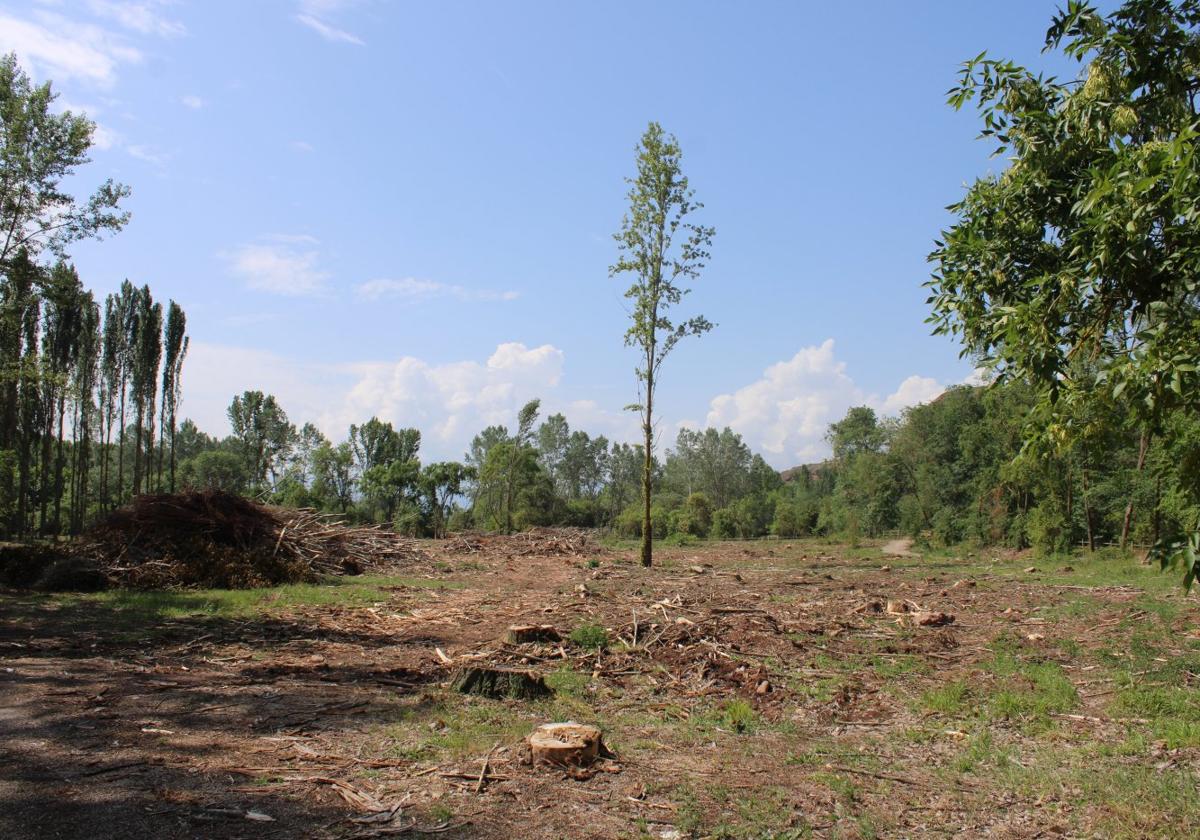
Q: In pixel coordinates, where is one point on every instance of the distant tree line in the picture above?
(964, 468)
(956, 470)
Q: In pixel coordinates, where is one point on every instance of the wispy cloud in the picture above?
(192, 101)
(317, 14)
(281, 266)
(142, 17)
(328, 32)
(149, 154)
(413, 289)
(302, 146)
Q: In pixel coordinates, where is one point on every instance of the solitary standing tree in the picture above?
(662, 250)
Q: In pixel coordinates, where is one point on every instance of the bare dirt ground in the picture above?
(768, 689)
(897, 548)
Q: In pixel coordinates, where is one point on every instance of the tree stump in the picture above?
(570, 744)
(521, 634)
(500, 682)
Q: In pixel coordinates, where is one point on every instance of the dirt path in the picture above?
(898, 548)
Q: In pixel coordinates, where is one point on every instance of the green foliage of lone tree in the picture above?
(1085, 252)
(661, 249)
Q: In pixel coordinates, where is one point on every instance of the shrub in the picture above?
(590, 636)
(695, 517)
(724, 523)
(1049, 530)
(739, 716)
(629, 522)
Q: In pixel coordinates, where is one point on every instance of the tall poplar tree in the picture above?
(175, 347)
(662, 249)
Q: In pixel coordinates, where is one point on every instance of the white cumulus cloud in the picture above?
(449, 402)
(912, 391)
(786, 413)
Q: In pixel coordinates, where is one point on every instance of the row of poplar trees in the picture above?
(88, 394)
(89, 399)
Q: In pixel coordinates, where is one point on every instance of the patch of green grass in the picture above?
(440, 812)
(981, 751)
(566, 681)
(739, 716)
(455, 727)
(1031, 692)
(952, 699)
(768, 813)
(591, 636)
(689, 816)
(840, 784)
(890, 667)
(1119, 799)
(1173, 712)
(239, 603)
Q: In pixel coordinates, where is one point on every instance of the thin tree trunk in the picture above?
(121, 445)
(139, 434)
(1143, 445)
(647, 464)
(162, 440)
(59, 465)
(76, 455)
(1087, 511)
(46, 449)
(1157, 508)
(172, 449)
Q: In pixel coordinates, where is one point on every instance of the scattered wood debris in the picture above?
(539, 542)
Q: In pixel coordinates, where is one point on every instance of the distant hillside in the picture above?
(814, 470)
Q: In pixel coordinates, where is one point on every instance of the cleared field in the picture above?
(748, 690)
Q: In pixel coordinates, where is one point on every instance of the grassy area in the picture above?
(128, 609)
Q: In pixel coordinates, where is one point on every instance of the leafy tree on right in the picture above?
(1078, 267)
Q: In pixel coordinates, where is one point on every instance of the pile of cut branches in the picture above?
(536, 542)
(221, 540)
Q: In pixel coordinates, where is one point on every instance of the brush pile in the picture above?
(536, 542)
(216, 539)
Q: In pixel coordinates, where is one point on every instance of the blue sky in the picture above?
(406, 209)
